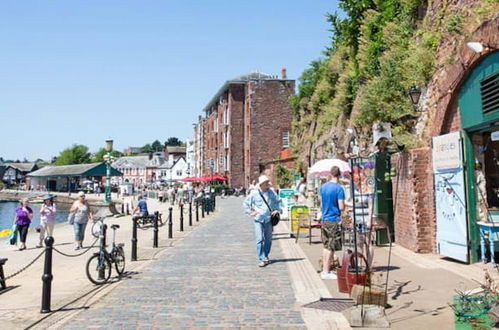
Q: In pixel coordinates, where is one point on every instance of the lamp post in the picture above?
(108, 158)
(415, 94)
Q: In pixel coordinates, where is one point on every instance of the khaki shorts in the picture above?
(329, 233)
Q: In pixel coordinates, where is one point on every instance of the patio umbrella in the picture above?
(323, 167)
(218, 177)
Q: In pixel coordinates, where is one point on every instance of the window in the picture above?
(179, 172)
(285, 139)
(226, 163)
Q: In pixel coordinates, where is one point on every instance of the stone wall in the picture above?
(236, 152)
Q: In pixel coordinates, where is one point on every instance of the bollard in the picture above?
(181, 217)
(102, 267)
(170, 223)
(202, 208)
(155, 238)
(190, 214)
(207, 204)
(127, 209)
(197, 211)
(214, 202)
(47, 276)
(123, 208)
(134, 239)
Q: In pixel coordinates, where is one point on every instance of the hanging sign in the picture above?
(446, 152)
(494, 136)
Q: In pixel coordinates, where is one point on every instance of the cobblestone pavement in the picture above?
(208, 280)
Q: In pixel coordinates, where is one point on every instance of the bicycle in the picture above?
(98, 267)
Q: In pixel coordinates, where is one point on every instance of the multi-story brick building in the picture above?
(247, 123)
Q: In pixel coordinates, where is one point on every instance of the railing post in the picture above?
(127, 209)
(181, 217)
(47, 276)
(202, 207)
(123, 208)
(207, 204)
(197, 211)
(155, 238)
(190, 214)
(134, 239)
(170, 222)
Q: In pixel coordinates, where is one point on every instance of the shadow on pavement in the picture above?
(286, 260)
(9, 288)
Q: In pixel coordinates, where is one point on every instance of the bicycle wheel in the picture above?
(119, 260)
(96, 227)
(93, 269)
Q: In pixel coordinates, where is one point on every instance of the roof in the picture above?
(175, 150)
(95, 169)
(2, 171)
(242, 79)
(139, 161)
(23, 167)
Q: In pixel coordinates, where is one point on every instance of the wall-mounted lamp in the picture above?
(415, 95)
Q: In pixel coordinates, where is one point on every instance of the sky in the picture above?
(83, 71)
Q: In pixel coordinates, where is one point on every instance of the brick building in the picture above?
(247, 123)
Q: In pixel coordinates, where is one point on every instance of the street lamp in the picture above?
(108, 158)
(414, 94)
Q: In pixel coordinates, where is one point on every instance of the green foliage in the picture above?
(157, 146)
(98, 157)
(147, 149)
(76, 154)
(455, 24)
(173, 142)
(284, 176)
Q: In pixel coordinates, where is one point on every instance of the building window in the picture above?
(285, 139)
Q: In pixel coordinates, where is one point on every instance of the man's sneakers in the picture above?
(328, 276)
(262, 264)
(266, 261)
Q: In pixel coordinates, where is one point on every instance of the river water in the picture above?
(8, 211)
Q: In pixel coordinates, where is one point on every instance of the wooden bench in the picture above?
(2, 275)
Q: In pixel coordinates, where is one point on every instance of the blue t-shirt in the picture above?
(142, 205)
(331, 193)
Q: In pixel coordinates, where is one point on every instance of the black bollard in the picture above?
(155, 240)
(197, 211)
(47, 276)
(181, 217)
(134, 239)
(102, 267)
(190, 214)
(123, 208)
(127, 209)
(207, 203)
(170, 223)
(202, 207)
(214, 202)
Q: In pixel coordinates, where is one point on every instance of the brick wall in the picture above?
(236, 153)
(414, 211)
(270, 114)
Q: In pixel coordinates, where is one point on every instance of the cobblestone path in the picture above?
(208, 280)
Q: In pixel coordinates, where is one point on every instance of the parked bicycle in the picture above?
(98, 267)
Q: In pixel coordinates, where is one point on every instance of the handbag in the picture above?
(275, 218)
(13, 235)
(71, 218)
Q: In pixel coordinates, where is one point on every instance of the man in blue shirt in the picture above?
(141, 207)
(333, 202)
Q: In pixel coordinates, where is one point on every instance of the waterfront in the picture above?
(7, 212)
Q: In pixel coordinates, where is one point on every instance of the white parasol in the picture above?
(323, 167)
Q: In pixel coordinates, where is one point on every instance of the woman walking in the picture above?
(47, 218)
(82, 214)
(24, 214)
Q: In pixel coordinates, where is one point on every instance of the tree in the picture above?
(157, 146)
(76, 154)
(173, 142)
(98, 157)
(147, 149)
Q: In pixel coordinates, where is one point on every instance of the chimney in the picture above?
(283, 74)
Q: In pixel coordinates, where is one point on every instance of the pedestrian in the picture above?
(252, 187)
(161, 195)
(82, 212)
(259, 205)
(47, 218)
(23, 217)
(141, 207)
(333, 202)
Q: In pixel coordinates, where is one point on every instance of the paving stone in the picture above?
(210, 279)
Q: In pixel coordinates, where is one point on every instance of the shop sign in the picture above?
(447, 151)
(494, 136)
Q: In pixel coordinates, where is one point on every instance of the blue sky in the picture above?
(83, 71)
